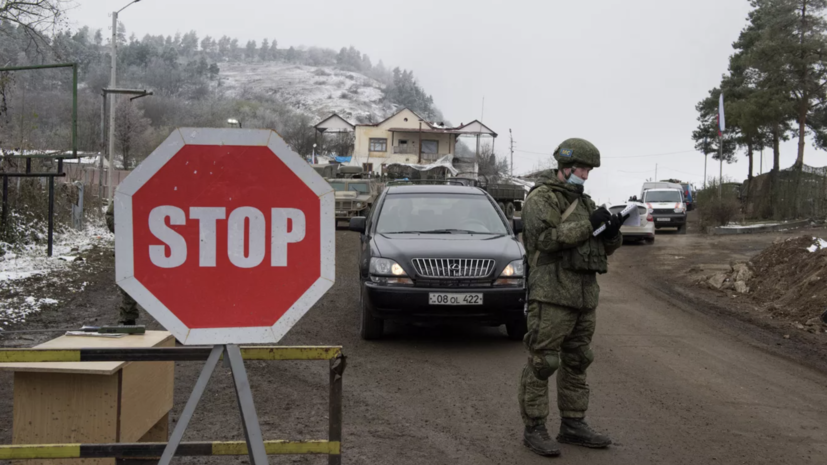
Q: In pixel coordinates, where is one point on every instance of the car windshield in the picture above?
(671, 196)
(439, 214)
(360, 187)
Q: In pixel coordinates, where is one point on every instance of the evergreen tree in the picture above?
(250, 50)
(787, 58)
(264, 51)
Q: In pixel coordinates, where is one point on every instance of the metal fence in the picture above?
(787, 194)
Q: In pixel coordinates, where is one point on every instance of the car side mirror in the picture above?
(517, 225)
(358, 224)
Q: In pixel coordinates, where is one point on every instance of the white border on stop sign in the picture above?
(125, 265)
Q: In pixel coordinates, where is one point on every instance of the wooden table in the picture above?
(93, 402)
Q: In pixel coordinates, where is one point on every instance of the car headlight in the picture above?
(515, 269)
(359, 204)
(385, 267)
(679, 210)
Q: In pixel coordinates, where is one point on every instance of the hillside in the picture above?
(196, 82)
(314, 91)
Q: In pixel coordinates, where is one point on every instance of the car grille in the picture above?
(453, 267)
(344, 205)
(453, 283)
(662, 211)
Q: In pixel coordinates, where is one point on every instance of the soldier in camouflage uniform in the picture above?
(564, 259)
(128, 308)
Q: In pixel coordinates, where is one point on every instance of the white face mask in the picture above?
(575, 179)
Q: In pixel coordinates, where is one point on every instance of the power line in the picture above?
(653, 154)
(618, 157)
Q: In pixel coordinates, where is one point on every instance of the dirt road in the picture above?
(671, 385)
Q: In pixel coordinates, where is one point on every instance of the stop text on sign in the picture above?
(287, 226)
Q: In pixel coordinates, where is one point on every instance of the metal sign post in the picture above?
(249, 419)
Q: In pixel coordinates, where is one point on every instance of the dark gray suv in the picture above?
(440, 253)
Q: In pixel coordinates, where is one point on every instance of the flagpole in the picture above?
(721, 170)
(706, 156)
(721, 127)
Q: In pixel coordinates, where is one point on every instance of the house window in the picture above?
(378, 145)
(430, 147)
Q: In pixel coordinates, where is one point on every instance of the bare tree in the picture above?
(490, 165)
(36, 17)
(130, 130)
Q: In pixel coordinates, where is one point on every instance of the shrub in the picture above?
(716, 209)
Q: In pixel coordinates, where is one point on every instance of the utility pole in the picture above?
(511, 136)
(112, 85)
(482, 114)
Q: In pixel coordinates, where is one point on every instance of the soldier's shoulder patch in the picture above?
(566, 153)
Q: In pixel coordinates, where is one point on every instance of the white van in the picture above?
(660, 185)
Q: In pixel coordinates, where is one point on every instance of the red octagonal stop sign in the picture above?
(225, 236)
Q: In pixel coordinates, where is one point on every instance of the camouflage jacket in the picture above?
(563, 256)
(110, 216)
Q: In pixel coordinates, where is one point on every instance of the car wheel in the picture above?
(682, 229)
(516, 329)
(650, 240)
(371, 328)
(509, 211)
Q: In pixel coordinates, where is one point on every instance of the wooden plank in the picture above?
(159, 432)
(150, 339)
(54, 408)
(146, 395)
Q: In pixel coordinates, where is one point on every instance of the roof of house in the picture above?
(320, 128)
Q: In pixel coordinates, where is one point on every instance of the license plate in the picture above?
(664, 219)
(443, 298)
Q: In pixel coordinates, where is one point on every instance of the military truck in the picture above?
(509, 197)
(354, 197)
(326, 171)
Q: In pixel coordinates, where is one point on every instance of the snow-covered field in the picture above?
(317, 91)
(18, 264)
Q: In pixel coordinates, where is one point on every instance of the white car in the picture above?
(646, 230)
(668, 208)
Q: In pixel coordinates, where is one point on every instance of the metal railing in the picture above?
(330, 447)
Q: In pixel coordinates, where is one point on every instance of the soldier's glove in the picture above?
(613, 227)
(600, 216)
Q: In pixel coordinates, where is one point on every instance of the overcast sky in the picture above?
(624, 75)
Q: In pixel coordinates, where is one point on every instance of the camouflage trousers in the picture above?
(557, 340)
(128, 307)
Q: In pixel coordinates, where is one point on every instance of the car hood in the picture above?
(352, 195)
(665, 205)
(405, 247)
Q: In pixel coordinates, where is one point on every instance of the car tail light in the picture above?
(649, 218)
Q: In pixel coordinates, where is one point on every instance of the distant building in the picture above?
(405, 137)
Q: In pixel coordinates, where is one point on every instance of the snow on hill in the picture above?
(316, 91)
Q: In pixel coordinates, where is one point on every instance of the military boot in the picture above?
(576, 431)
(537, 439)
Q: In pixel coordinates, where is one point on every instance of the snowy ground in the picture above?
(818, 244)
(317, 91)
(30, 281)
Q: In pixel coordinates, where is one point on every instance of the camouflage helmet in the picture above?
(577, 152)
